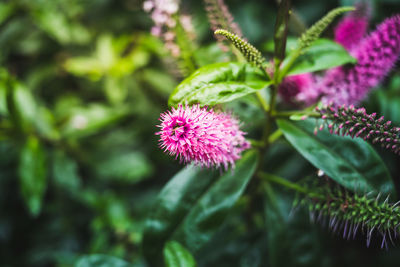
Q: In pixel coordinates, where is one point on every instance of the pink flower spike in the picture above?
(352, 28)
(298, 89)
(202, 136)
(375, 54)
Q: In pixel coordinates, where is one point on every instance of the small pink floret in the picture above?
(202, 136)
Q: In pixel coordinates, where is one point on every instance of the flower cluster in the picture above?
(162, 13)
(251, 53)
(352, 28)
(202, 136)
(297, 89)
(355, 122)
(375, 54)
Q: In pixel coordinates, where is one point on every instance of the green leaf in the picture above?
(101, 261)
(292, 239)
(352, 163)
(218, 83)
(32, 174)
(21, 105)
(6, 10)
(193, 205)
(91, 119)
(65, 172)
(129, 166)
(172, 205)
(175, 255)
(322, 54)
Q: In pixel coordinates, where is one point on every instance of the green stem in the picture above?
(262, 101)
(287, 64)
(283, 182)
(287, 114)
(256, 143)
(275, 136)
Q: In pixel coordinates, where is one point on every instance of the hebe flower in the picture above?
(355, 122)
(376, 55)
(352, 28)
(297, 88)
(162, 13)
(202, 136)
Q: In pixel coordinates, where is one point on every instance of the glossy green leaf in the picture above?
(101, 261)
(218, 83)
(322, 54)
(175, 255)
(352, 163)
(32, 174)
(193, 205)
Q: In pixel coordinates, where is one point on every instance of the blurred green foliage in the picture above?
(82, 84)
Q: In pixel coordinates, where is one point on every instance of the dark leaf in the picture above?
(194, 204)
(352, 163)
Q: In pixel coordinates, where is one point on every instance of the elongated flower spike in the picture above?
(352, 213)
(251, 53)
(297, 89)
(202, 136)
(353, 27)
(355, 122)
(375, 54)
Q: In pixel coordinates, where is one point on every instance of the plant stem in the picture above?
(287, 64)
(278, 180)
(262, 101)
(275, 136)
(287, 114)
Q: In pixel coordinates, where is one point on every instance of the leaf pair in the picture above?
(193, 206)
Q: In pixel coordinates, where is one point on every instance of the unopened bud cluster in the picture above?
(355, 122)
(251, 53)
(352, 213)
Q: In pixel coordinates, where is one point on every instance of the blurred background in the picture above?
(82, 84)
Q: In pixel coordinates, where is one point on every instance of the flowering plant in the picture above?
(310, 93)
(199, 133)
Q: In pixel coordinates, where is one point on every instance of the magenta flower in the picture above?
(298, 89)
(352, 28)
(204, 137)
(376, 55)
